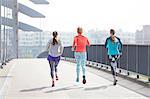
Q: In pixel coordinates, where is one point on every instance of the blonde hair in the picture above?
(79, 30)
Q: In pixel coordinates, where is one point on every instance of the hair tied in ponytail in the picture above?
(54, 38)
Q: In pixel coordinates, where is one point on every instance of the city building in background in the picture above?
(99, 36)
(32, 43)
(143, 36)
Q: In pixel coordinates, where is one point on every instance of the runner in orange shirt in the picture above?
(79, 46)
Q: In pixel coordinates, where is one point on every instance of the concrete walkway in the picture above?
(30, 79)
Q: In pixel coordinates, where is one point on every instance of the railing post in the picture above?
(148, 63)
(127, 60)
(137, 58)
(15, 26)
(4, 38)
(0, 36)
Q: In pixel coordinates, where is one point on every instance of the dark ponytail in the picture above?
(112, 31)
(54, 38)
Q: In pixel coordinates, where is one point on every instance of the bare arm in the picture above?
(48, 46)
(74, 44)
(61, 48)
(88, 43)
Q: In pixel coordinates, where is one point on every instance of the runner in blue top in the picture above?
(114, 50)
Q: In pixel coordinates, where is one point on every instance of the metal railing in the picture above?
(135, 59)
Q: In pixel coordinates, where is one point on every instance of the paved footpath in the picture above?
(30, 79)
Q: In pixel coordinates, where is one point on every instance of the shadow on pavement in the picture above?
(98, 88)
(6, 76)
(33, 89)
(64, 89)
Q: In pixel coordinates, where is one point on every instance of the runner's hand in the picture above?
(72, 49)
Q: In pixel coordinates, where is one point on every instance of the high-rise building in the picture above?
(99, 37)
(143, 36)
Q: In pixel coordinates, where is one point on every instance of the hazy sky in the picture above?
(66, 15)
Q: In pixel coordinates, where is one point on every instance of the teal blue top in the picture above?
(113, 48)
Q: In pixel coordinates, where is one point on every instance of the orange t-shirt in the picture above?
(80, 42)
